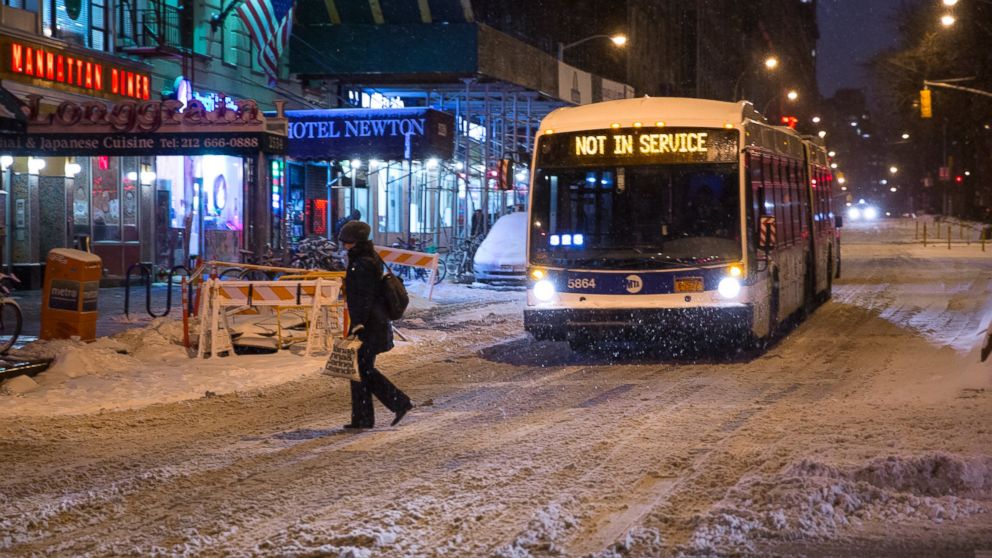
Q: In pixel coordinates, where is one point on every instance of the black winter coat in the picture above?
(366, 304)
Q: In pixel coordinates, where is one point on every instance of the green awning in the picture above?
(400, 49)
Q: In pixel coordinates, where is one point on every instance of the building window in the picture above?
(29, 5)
(230, 41)
(79, 22)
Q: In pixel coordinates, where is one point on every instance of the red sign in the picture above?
(24, 60)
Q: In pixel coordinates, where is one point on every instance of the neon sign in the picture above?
(645, 144)
(641, 146)
(55, 66)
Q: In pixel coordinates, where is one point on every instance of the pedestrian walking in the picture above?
(370, 321)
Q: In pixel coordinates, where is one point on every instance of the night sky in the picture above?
(851, 32)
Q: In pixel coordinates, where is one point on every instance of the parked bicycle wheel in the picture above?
(442, 271)
(10, 324)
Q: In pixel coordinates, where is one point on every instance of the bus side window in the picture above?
(802, 200)
(756, 176)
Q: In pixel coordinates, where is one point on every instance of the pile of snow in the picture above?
(810, 499)
(141, 367)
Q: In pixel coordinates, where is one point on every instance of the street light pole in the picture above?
(618, 40)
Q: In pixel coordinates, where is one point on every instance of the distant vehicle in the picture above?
(502, 256)
(668, 218)
(862, 211)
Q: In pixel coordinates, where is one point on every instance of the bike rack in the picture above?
(146, 275)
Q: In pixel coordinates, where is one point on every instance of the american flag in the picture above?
(269, 24)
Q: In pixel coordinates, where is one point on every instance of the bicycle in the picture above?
(268, 258)
(10, 313)
(422, 274)
(460, 259)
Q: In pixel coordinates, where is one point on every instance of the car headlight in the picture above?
(729, 287)
(870, 213)
(544, 290)
(854, 214)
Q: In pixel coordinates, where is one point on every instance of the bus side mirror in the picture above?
(838, 221)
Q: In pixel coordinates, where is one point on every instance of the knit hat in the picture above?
(354, 231)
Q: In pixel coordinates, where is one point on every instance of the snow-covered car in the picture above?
(502, 256)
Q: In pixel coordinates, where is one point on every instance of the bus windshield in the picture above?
(636, 217)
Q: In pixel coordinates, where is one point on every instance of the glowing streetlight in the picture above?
(816, 120)
(841, 180)
(893, 189)
(950, 2)
(947, 20)
(893, 169)
(905, 136)
(771, 62)
(832, 154)
(822, 134)
(792, 95)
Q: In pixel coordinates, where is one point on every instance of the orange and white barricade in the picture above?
(321, 296)
(413, 259)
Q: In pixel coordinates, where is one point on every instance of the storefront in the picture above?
(393, 166)
(142, 181)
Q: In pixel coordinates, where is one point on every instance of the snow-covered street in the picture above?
(866, 430)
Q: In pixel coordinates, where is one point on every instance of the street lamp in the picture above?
(792, 95)
(618, 40)
(950, 2)
(771, 63)
(947, 20)
(893, 169)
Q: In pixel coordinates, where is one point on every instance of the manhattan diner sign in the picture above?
(386, 134)
(146, 128)
(69, 70)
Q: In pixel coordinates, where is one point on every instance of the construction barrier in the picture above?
(321, 296)
(410, 258)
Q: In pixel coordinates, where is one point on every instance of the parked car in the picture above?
(502, 256)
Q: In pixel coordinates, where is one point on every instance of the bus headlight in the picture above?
(870, 213)
(544, 290)
(729, 287)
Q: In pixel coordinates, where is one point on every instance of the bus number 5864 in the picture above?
(581, 283)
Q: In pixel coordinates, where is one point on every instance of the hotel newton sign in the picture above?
(64, 69)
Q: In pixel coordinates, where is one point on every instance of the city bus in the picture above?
(660, 219)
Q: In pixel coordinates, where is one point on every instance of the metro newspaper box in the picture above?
(72, 286)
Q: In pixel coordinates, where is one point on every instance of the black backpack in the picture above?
(394, 293)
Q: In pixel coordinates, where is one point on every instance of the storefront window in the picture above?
(223, 190)
(106, 201)
(129, 198)
(394, 198)
(81, 201)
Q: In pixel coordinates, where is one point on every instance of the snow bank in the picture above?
(141, 367)
(810, 499)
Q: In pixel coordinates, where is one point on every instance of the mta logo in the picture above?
(633, 284)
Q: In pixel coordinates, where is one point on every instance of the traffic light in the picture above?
(790, 121)
(926, 106)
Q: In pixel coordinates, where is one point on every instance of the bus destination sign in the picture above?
(642, 146)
